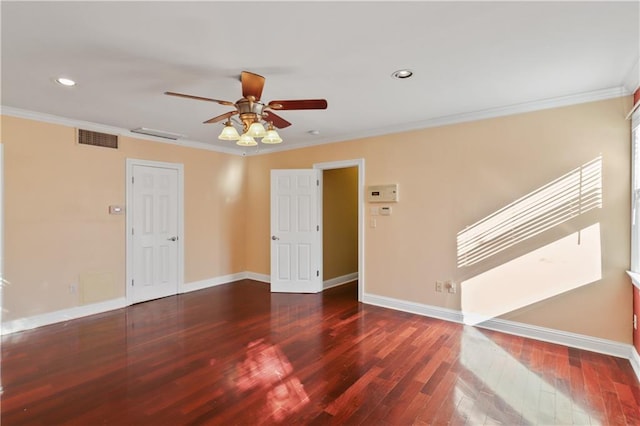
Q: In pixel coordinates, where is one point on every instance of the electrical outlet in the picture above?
(451, 286)
(439, 285)
(73, 288)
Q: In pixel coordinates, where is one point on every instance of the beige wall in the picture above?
(57, 193)
(340, 222)
(453, 176)
(57, 226)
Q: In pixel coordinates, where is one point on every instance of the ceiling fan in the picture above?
(252, 112)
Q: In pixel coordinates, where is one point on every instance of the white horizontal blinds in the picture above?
(569, 196)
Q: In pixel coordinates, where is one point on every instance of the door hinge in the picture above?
(317, 227)
(132, 283)
(317, 273)
(317, 182)
(133, 179)
(132, 232)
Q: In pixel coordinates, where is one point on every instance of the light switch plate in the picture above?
(116, 210)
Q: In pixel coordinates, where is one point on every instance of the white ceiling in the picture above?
(470, 59)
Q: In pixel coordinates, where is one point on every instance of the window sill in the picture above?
(635, 278)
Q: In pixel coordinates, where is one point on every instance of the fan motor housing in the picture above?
(249, 111)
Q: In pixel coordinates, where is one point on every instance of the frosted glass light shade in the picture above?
(246, 140)
(271, 137)
(256, 130)
(229, 133)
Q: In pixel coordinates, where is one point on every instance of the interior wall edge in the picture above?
(635, 362)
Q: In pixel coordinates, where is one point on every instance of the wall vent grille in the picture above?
(88, 137)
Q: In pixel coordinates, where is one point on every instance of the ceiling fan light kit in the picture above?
(246, 140)
(252, 112)
(229, 133)
(256, 130)
(272, 137)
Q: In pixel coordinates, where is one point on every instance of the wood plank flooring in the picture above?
(238, 355)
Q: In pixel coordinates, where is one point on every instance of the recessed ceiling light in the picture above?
(402, 74)
(65, 81)
(314, 132)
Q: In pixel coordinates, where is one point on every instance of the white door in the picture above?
(296, 243)
(154, 232)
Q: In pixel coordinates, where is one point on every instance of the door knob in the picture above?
(274, 238)
(172, 239)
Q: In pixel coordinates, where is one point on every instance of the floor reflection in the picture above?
(509, 391)
(267, 368)
(235, 357)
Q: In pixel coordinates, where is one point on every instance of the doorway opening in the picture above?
(343, 223)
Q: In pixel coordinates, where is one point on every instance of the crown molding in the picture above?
(542, 104)
(538, 105)
(96, 127)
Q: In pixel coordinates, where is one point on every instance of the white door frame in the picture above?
(1, 240)
(131, 162)
(359, 163)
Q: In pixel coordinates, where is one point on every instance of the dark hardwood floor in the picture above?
(236, 354)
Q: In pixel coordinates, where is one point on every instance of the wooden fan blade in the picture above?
(299, 104)
(277, 121)
(252, 85)
(220, 117)
(199, 98)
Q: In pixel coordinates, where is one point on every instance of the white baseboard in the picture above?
(40, 320)
(579, 341)
(212, 282)
(258, 277)
(333, 282)
(343, 279)
(413, 308)
(35, 321)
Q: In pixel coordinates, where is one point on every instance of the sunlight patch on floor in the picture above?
(266, 367)
(522, 393)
